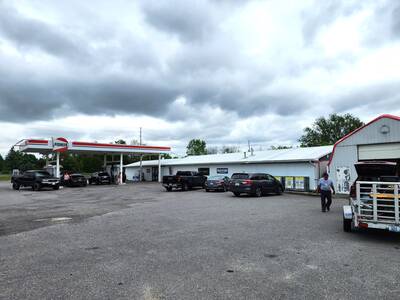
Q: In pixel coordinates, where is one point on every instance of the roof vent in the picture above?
(244, 154)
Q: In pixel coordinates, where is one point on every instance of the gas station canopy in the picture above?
(57, 145)
(49, 146)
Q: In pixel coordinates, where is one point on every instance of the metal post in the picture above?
(396, 203)
(159, 168)
(375, 203)
(140, 169)
(58, 164)
(121, 166)
(105, 162)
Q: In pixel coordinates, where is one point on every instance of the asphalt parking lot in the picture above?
(139, 242)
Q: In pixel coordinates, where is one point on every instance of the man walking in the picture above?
(325, 187)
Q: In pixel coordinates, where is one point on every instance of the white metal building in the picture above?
(297, 162)
(376, 140)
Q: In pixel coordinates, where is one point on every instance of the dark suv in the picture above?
(100, 178)
(256, 184)
(37, 179)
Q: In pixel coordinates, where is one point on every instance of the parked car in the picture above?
(75, 180)
(256, 184)
(374, 197)
(37, 179)
(217, 183)
(100, 178)
(184, 180)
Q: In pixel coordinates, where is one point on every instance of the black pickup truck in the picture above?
(184, 180)
(36, 179)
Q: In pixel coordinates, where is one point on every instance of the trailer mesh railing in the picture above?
(378, 202)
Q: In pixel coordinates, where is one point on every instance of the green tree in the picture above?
(230, 149)
(196, 147)
(20, 160)
(1, 163)
(327, 131)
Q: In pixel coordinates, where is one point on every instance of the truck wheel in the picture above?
(169, 189)
(16, 186)
(237, 194)
(36, 186)
(347, 225)
(258, 192)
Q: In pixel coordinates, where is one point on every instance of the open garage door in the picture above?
(379, 151)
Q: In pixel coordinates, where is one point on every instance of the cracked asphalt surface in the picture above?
(139, 242)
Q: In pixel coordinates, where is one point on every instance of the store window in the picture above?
(204, 171)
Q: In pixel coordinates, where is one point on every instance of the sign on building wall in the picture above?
(222, 170)
(343, 180)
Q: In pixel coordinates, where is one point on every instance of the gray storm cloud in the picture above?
(129, 72)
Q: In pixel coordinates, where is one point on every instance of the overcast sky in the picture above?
(224, 71)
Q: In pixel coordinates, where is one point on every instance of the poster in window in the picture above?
(289, 182)
(299, 183)
(343, 180)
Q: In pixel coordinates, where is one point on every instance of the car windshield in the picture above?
(240, 176)
(215, 177)
(42, 174)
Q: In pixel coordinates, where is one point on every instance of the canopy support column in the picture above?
(121, 166)
(140, 169)
(57, 164)
(105, 161)
(159, 168)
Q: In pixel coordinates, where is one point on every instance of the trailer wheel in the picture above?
(347, 225)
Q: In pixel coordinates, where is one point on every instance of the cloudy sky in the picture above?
(224, 71)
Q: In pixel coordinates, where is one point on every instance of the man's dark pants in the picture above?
(326, 200)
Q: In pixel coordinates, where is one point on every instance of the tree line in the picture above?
(324, 131)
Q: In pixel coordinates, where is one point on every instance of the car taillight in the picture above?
(247, 182)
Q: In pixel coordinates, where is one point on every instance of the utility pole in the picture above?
(141, 155)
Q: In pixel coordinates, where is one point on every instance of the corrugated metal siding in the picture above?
(372, 135)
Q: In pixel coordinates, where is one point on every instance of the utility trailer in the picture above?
(375, 205)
